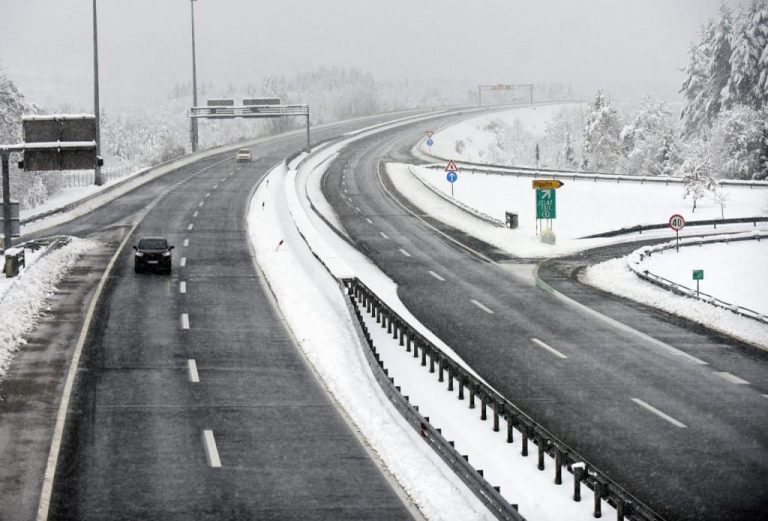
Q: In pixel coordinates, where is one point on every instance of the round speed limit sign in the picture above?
(677, 222)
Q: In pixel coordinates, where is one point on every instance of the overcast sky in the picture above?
(624, 46)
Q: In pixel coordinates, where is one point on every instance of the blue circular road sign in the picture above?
(452, 177)
(430, 142)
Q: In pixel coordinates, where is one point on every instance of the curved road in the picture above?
(680, 423)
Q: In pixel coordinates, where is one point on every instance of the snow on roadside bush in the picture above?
(29, 293)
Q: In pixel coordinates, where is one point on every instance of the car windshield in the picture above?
(153, 244)
(243, 151)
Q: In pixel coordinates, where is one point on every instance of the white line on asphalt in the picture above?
(658, 413)
(345, 191)
(184, 321)
(731, 378)
(384, 235)
(182, 287)
(193, 376)
(190, 226)
(210, 449)
(357, 209)
(183, 261)
(548, 348)
(223, 179)
(765, 396)
(186, 242)
(369, 221)
(481, 306)
(201, 203)
(195, 214)
(215, 186)
(438, 277)
(208, 194)
(405, 252)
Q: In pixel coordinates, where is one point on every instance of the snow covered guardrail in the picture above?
(456, 202)
(634, 261)
(362, 299)
(640, 228)
(550, 173)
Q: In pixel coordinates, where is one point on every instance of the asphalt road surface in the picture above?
(191, 400)
(682, 424)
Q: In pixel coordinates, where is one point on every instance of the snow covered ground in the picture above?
(23, 298)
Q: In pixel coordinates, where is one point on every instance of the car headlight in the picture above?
(166, 254)
(139, 254)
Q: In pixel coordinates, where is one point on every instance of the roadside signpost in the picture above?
(677, 223)
(546, 199)
(429, 144)
(452, 173)
(429, 133)
(698, 275)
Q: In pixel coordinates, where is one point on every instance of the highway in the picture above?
(680, 422)
(191, 400)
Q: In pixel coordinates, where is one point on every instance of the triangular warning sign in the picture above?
(451, 166)
(429, 133)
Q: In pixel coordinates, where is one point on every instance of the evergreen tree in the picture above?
(648, 142)
(719, 70)
(601, 135)
(569, 154)
(694, 90)
(12, 107)
(749, 41)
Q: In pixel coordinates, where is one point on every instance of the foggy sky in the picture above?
(627, 47)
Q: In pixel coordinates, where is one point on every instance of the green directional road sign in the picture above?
(546, 207)
(698, 274)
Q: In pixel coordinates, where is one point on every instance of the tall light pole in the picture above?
(96, 169)
(193, 121)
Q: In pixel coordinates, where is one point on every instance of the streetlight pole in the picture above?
(97, 179)
(193, 121)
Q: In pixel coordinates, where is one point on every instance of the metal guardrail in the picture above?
(250, 111)
(603, 487)
(640, 228)
(685, 291)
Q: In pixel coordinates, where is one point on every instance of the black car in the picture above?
(152, 253)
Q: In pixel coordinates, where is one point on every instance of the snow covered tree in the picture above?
(719, 70)
(697, 178)
(601, 135)
(694, 114)
(749, 41)
(12, 107)
(568, 152)
(735, 143)
(763, 163)
(649, 143)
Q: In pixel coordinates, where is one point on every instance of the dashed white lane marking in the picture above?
(548, 348)
(183, 261)
(731, 378)
(211, 452)
(182, 287)
(223, 179)
(369, 221)
(357, 209)
(190, 226)
(405, 252)
(345, 191)
(384, 235)
(201, 203)
(184, 321)
(658, 413)
(482, 306)
(186, 242)
(215, 186)
(765, 396)
(438, 277)
(208, 194)
(193, 376)
(195, 214)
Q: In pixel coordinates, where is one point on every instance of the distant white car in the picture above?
(243, 155)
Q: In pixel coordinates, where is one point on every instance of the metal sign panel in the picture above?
(546, 184)
(15, 223)
(261, 101)
(546, 204)
(42, 129)
(221, 103)
(63, 142)
(698, 274)
(677, 222)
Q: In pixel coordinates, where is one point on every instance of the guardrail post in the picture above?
(401, 332)
(423, 356)
(450, 379)
(540, 444)
(558, 466)
(524, 432)
(496, 416)
(483, 404)
(431, 362)
(440, 370)
(415, 348)
(387, 323)
(461, 388)
(471, 396)
(621, 511)
(578, 476)
(598, 488)
(510, 429)
(408, 343)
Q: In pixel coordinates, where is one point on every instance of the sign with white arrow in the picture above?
(546, 204)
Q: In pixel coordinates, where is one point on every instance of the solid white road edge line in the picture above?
(182, 287)
(211, 452)
(184, 321)
(658, 413)
(405, 252)
(548, 348)
(731, 378)
(482, 306)
(438, 277)
(193, 376)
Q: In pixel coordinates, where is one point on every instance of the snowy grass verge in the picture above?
(24, 299)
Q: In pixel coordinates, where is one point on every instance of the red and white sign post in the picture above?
(677, 223)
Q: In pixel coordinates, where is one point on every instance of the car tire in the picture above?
(136, 268)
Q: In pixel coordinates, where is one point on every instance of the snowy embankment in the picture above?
(23, 298)
(314, 307)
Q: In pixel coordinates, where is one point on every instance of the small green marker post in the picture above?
(698, 275)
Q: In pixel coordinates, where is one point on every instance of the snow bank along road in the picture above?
(679, 421)
(191, 401)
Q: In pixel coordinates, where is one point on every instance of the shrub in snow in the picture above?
(697, 178)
